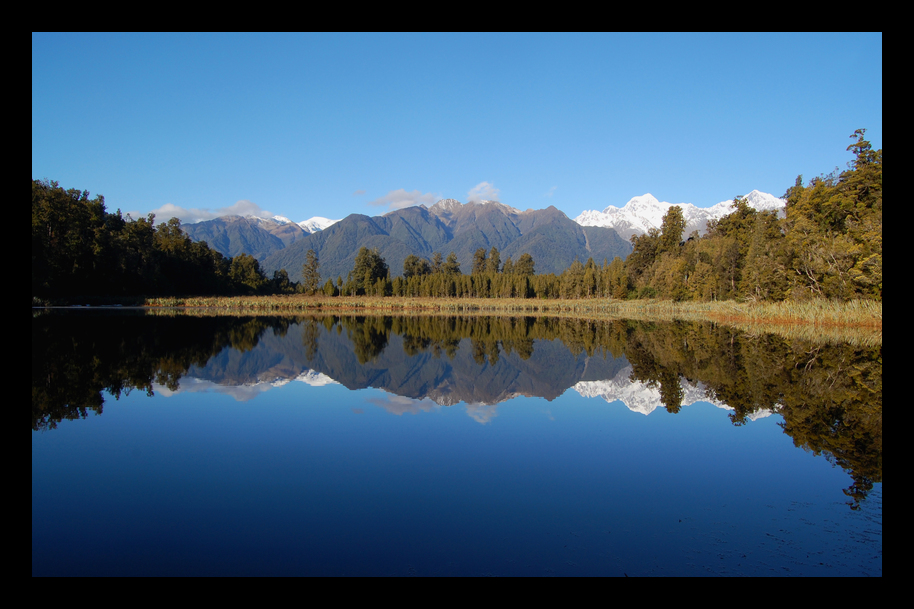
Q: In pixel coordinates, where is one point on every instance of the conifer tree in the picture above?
(494, 263)
(671, 229)
(525, 265)
(479, 261)
(311, 277)
(451, 266)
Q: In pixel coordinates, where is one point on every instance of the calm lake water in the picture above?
(470, 446)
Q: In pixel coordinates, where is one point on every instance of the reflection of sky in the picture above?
(319, 481)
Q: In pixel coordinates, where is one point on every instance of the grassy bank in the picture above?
(860, 313)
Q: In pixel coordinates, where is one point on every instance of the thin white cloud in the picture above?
(192, 215)
(484, 191)
(550, 192)
(359, 192)
(400, 198)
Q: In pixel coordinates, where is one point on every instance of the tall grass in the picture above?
(815, 312)
(858, 322)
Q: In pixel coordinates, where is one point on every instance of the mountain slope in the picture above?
(258, 237)
(548, 235)
(234, 235)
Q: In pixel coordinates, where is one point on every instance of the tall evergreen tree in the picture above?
(493, 265)
(414, 266)
(525, 265)
(451, 266)
(311, 276)
(369, 268)
(671, 229)
(480, 262)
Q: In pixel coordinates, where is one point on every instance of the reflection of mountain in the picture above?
(639, 396)
(445, 379)
(245, 391)
(829, 395)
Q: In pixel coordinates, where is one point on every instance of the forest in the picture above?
(79, 250)
(827, 245)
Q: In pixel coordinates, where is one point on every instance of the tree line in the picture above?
(79, 249)
(828, 245)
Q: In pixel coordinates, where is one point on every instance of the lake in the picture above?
(172, 443)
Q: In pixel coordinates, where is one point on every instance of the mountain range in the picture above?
(548, 235)
(553, 239)
(258, 237)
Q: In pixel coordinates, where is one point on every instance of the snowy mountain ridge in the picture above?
(644, 212)
(639, 397)
(311, 225)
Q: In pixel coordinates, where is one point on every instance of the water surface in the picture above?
(180, 445)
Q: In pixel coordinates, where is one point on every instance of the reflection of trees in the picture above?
(310, 334)
(77, 354)
(369, 336)
(830, 396)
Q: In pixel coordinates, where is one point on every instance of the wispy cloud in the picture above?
(484, 191)
(189, 216)
(550, 192)
(359, 192)
(400, 198)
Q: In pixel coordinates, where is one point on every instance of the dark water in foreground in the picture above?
(449, 446)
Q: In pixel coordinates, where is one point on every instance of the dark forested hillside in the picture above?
(79, 249)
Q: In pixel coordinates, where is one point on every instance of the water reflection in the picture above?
(829, 395)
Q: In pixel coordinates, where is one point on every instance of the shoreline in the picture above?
(855, 313)
(858, 322)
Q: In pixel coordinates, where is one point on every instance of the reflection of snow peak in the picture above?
(639, 397)
(243, 391)
(316, 379)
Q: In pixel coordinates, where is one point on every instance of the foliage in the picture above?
(370, 275)
(414, 266)
(79, 250)
(829, 245)
(311, 277)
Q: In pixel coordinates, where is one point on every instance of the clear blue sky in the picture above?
(306, 125)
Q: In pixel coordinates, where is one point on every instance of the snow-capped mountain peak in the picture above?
(316, 224)
(644, 212)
